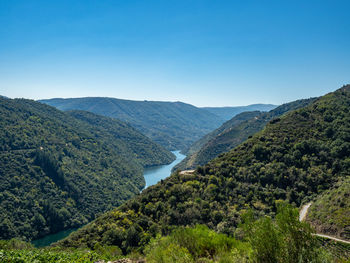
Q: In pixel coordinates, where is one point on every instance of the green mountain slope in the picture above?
(330, 213)
(128, 142)
(238, 119)
(228, 113)
(59, 170)
(174, 125)
(295, 157)
(232, 133)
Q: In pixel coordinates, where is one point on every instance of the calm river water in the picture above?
(49, 239)
(154, 174)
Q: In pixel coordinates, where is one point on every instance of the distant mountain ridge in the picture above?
(232, 133)
(175, 125)
(59, 170)
(228, 113)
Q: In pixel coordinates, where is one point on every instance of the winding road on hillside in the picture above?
(302, 216)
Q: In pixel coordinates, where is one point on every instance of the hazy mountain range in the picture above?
(226, 113)
(175, 125)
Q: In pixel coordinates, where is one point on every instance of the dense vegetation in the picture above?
(17, 251)
(175, 125)
(227, 113)
(284, 240)
(330, 213)
(263, 240)
(235, 121)
(296, 157)
(232, 133)
(196, 153)
(60, 170)
(126, 140)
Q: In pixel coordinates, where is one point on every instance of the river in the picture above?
(152, 176)
(49, 239)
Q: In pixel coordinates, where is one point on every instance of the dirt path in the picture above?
(333, 238)
(303, 211)
(302, 215)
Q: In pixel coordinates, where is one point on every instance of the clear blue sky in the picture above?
(204, 52)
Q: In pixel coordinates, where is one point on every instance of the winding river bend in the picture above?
(152, 176)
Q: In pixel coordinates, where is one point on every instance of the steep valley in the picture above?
(294, 158)
(222, 210)
(60, 170)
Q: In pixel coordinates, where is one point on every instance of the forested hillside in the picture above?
(238, 119)
(175, 125)
(228, 113)
(232, 133)
(330, 213)
(59, 170)
(296, 157)
(283, 239)
(128, 141)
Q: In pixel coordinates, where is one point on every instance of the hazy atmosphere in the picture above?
(206, 53)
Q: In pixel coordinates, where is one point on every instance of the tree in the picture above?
(284, 240)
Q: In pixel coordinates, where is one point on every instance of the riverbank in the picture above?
(154, 174)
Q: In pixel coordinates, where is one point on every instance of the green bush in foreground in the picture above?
(19, 256)
(283, 240)
(198, 244)
(17, 251)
